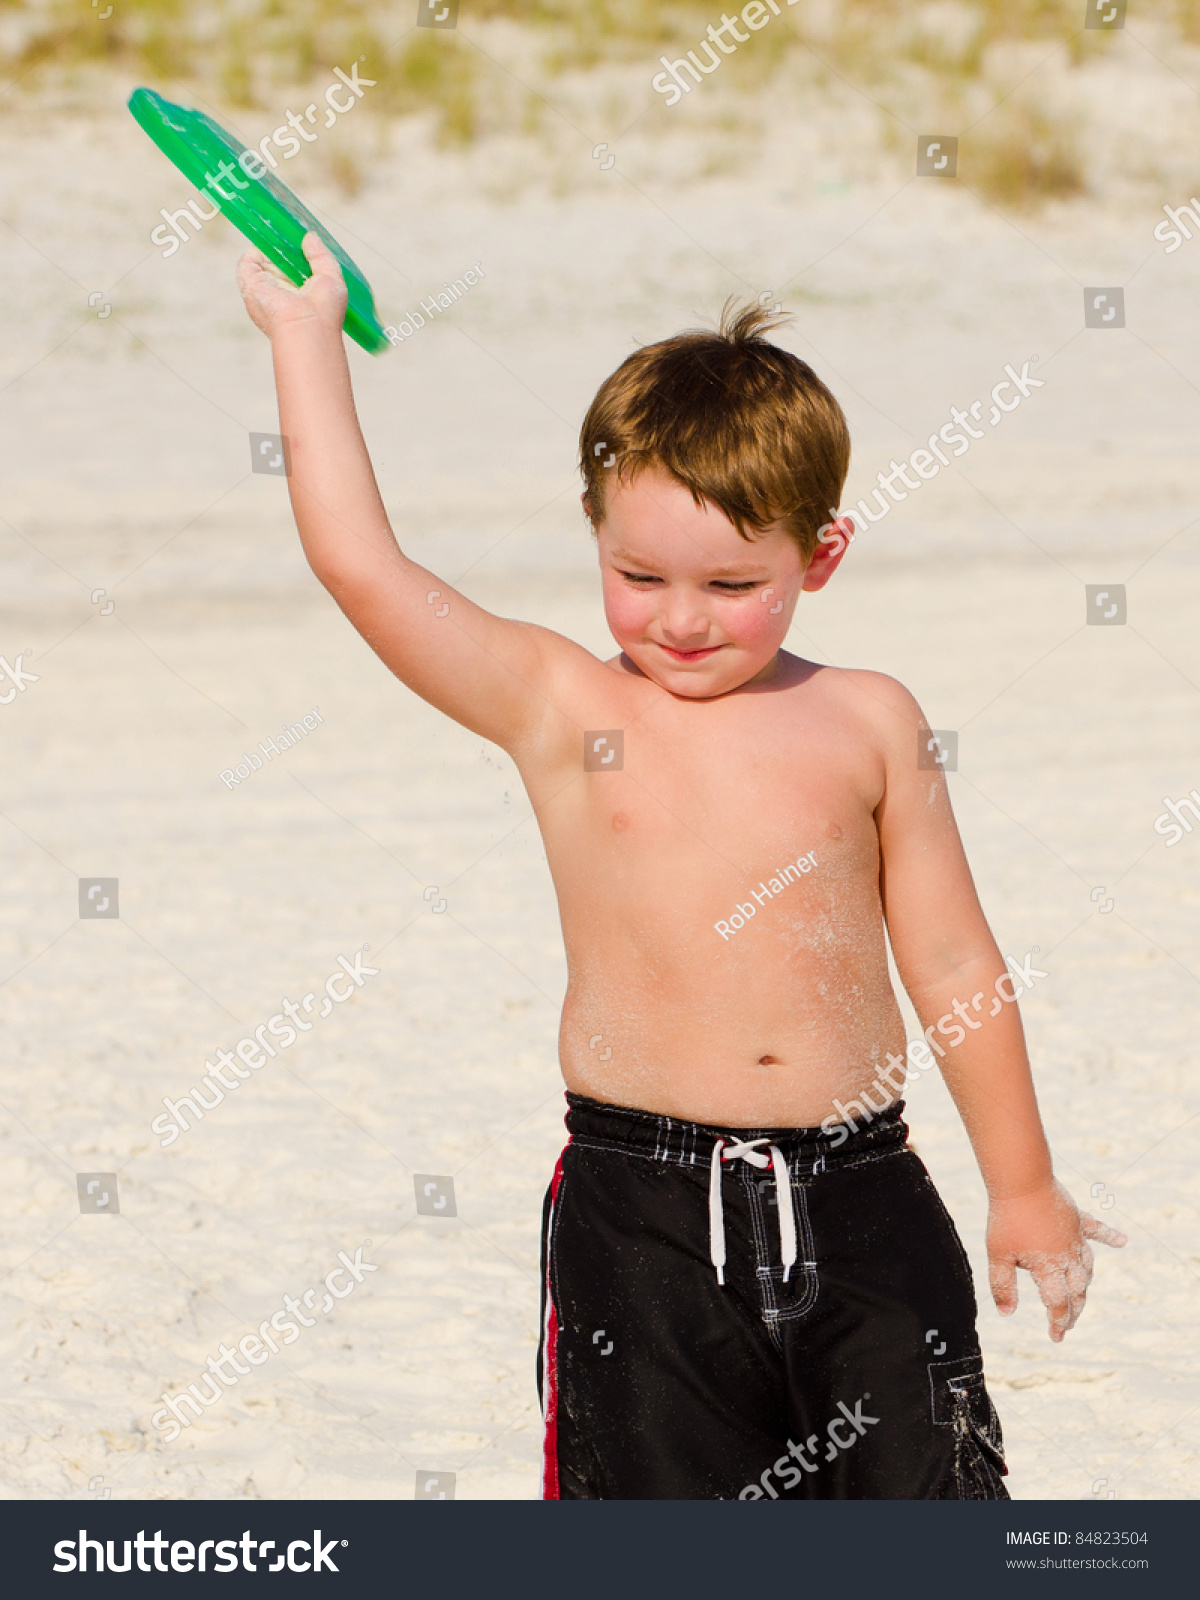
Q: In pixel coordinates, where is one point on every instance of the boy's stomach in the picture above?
(767, 1038)
(730, 967)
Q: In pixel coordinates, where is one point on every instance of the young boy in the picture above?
(752, 1289)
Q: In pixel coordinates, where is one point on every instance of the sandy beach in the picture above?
(388, 831)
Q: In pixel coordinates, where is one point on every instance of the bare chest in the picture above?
(722, 792)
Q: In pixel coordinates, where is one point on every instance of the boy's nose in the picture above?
(683, 622)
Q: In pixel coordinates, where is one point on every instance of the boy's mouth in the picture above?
(689, 655)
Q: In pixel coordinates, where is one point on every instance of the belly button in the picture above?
(768, 1061)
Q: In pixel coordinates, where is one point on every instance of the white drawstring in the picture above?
(747, 1150)
(787, 1218)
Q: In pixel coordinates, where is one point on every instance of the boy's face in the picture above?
(696, 607)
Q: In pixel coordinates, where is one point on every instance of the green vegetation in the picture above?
(1019, 156)
(904, 54)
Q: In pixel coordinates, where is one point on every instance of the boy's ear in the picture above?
(587, 509)
(833, 540)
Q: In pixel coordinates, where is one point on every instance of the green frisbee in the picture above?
(265, 210)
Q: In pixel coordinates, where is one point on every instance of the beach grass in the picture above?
(492, 73)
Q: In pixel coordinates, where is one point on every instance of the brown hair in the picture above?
(744, 425)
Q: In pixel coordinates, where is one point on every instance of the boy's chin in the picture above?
(695, 683)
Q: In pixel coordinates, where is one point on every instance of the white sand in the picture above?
(126, 468)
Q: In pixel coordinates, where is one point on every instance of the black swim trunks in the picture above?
(710, 1334)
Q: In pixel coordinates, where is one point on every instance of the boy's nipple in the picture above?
(832, 831)
(620, 821)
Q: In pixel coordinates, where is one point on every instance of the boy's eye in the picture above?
(726, 585)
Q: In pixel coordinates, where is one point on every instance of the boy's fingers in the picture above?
(1079, 1277)
(1094, 1229)
(1080, 1268)
(1055, 1291)
(249, 266)
(320, 257)
(1058, 1309)
(1002, 1275)
(254, 268)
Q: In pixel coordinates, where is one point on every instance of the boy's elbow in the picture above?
(344, 573)
(346, 584)
(329, 572)
(929, 971)
(325, 567)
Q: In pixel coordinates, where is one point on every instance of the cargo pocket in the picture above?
(960, 1402)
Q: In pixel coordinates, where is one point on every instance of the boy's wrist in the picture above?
(300, 330)
(1004, 1193)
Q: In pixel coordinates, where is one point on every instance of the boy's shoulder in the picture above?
(876, 693)
(875, 705)
(858, 690)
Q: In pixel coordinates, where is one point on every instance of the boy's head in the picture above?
(710, 463)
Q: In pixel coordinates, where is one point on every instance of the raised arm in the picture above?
(491, 674)
(965, 998)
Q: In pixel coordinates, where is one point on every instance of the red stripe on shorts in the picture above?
(550, 1358)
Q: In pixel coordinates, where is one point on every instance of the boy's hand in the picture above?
(274, 303)
(1044, 1233)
